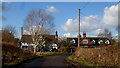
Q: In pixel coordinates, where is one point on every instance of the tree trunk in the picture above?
(34, 49)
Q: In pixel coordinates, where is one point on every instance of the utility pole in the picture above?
(78, 27)
(21, 31)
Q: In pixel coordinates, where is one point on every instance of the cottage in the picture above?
(47, 41)
(89, 41)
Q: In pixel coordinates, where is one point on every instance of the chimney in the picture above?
(56, 33)
(84, 34)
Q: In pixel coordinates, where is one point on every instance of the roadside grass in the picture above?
(102, 56)
(72, 59)
(48, 53)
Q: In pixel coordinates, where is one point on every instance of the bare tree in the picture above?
(11, 29)
(105, 33)
(38, 23)
(8, 33)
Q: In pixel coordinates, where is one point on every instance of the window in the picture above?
(107, 42)
(85, 41)
(72, 41)
(100, 41)
(93, 41)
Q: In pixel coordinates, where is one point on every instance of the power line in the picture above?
(85, 5)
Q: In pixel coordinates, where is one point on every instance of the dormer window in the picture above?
(100, 41)
(93, 42)
(107, 42)
(73, 41)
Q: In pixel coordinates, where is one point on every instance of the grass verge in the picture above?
(72, 59)
(48, 53)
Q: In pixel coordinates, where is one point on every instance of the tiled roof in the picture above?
(87, 37)
(28, 38)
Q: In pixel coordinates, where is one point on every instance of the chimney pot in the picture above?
(84, 34)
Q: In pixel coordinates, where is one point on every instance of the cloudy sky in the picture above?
(94, 16)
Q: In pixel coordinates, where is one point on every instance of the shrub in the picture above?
(12, 54)
(102, 56)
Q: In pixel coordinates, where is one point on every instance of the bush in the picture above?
(102, 56)
(12, 54)
(67, 49)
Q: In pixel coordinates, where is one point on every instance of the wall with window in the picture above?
(85, 42)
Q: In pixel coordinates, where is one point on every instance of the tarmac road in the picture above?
(57, 60)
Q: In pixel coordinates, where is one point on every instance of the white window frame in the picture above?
(100, 41)
(107, 42)
(72, 41)
(85, 41)
(93, 41)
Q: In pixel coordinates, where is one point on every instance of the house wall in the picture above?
(89, 42)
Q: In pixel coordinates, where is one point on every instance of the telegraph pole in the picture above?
(78, 27)
(21, 31)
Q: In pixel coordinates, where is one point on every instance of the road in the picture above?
(46, 61)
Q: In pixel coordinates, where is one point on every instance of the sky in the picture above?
(60, 0)
(94, 16)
